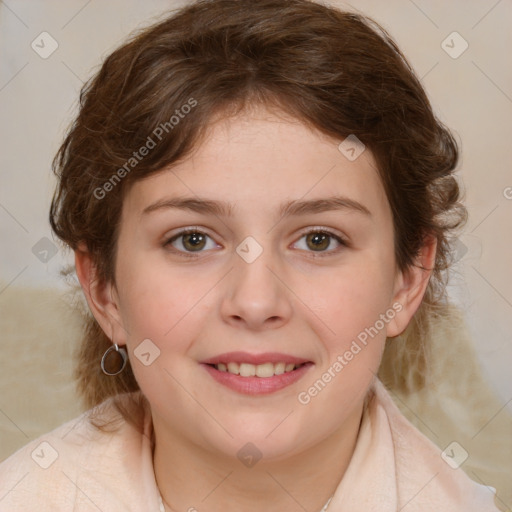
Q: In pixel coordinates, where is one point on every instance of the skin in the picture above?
(287, 301)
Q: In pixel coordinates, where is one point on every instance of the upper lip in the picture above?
(245, 357)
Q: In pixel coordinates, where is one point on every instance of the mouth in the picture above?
(256, 374)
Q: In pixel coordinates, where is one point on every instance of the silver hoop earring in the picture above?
(121, 352)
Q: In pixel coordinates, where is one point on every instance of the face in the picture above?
(286, 262)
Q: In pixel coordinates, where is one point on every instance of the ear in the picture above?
(101, 296)
(410, 286)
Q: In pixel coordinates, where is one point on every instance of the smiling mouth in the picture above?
(264, 370)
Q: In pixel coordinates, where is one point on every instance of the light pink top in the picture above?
(78, 468)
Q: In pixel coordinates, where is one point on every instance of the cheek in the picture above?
(160, 307)
(351, 299)
(155, 301)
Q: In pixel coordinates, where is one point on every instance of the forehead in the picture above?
(259, 159)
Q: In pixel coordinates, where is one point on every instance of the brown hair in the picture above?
(338, 72)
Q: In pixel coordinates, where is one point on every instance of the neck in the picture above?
(191, 478)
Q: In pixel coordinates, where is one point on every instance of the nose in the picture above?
(256, 296)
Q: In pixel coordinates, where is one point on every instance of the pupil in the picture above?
(194, 239)
(321, 238)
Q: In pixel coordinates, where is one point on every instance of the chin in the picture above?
(264, 442)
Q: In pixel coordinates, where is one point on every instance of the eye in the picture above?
(193, 240)
(319, 240)
(190, 241)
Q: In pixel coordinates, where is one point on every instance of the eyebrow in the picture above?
(290, 208)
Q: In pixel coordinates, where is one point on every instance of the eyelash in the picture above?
(321, 254)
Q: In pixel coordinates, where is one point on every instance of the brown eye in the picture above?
(318, 241)
(194, 241)
(190, 241)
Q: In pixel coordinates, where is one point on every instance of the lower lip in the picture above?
(257, 385)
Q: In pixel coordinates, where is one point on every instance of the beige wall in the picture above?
(472, 94)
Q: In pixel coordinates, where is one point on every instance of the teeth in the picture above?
(260, 370)
(279, 368)
(247, 370)
(264, 370)
(234, 368)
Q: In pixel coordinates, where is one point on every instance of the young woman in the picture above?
(259, 199)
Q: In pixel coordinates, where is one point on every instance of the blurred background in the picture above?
(460, 50)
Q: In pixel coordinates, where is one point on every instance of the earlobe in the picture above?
(99, 294)
(410, 286)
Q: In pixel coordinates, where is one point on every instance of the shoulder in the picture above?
(76, 465)
(427, 477)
